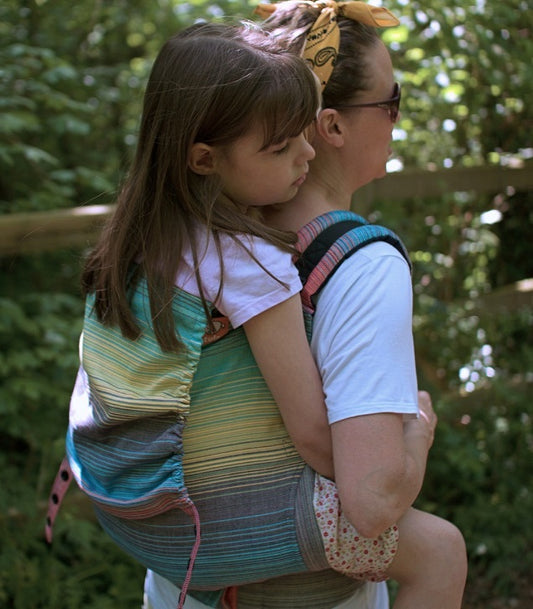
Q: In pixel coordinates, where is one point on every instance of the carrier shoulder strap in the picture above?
(330, 239)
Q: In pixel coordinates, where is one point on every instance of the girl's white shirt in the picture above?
(247, 289)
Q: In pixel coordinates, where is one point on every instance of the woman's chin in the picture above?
(381, 174)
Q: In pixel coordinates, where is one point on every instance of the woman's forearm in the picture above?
(379, 467)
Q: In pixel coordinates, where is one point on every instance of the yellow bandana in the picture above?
(322, 45)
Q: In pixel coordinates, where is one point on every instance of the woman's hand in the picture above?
(427, 414)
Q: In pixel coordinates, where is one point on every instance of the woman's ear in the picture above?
(202, 159)
(330, 127)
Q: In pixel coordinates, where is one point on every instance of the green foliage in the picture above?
(467, 77)
(39, 332)
(71, 83)
(36, 362)
(479, 476)
(74, 572)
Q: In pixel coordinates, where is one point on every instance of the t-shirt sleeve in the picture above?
(250, 289)
(362, 336)
(249, 286)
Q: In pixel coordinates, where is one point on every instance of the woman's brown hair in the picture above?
(205, 86)
(289, 26)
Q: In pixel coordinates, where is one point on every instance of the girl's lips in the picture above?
(300, 180)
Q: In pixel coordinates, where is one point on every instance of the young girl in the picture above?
(221, 135)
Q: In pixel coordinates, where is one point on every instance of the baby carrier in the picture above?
(185, 456)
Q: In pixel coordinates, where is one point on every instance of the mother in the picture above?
(362, 337)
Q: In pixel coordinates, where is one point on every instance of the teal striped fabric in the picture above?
(129, 448)
(176, 448)
(128, 410)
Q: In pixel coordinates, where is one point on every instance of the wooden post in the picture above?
(53, 230)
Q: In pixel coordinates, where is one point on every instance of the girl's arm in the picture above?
(278, 341)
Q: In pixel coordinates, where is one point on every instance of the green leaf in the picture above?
(38, 155)
(19, 122)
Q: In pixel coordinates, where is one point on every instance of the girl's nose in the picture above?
(308, 152)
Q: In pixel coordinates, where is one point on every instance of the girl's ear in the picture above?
(202, 159)
(330, 126)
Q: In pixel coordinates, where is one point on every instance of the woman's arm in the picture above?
(380, 463)
(278, 341)
(363, 341)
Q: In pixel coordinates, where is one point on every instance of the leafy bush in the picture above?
(75, 572)
(479, 475)
(72, 79)
(38, 362)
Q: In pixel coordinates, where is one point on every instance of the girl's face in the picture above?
(253, 176)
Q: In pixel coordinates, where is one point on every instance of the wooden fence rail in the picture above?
(78, 227)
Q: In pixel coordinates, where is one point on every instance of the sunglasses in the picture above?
(392, 105)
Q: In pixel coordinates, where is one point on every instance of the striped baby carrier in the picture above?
(185, 456)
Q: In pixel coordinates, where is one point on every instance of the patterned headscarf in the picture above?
(322, 44)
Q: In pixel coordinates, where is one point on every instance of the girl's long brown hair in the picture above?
(203, 87)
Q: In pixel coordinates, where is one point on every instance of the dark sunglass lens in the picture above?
(395, 107)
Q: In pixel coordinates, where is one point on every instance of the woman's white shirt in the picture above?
(362, 336)
(159, 593)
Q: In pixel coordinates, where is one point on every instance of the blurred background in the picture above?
(459, 192)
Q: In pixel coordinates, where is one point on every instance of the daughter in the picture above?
(221, 135)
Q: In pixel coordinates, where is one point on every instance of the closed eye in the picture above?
(280, 149)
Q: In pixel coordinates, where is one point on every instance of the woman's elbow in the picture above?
(373, 511)
(370, 525)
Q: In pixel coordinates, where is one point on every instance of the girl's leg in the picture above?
(430, 563)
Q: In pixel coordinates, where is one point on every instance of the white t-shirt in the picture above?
(247, 288)
(362, 336)
(159, 593)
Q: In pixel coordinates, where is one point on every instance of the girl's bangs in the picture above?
(287, 108)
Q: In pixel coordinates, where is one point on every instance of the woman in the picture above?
(366, 303)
